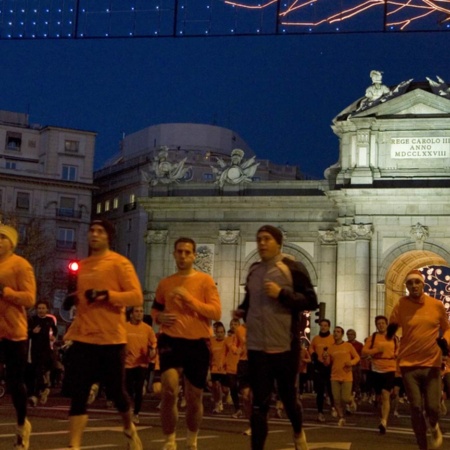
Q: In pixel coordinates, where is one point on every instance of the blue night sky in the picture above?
(280, 93)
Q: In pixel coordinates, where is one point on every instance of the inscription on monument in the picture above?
(420, 147)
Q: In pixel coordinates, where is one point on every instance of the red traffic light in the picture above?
(73, 266)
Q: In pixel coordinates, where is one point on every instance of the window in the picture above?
(116, 202)
(71, 146)
(129, 225)
(13, 140)
(69, 173)
(66, 207)
(132, 198)
(107, 205)
(66, 239)
(98, 209)
(208, 176)
(11, 165)
(23, 200)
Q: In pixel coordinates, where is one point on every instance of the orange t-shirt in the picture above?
(103, 322)
(420, 322)
(140, 338)
(217, 349)
(231, 354)
(383, 353)
(339, 355)
(241, 338)
(19, 293)
(319, 343)
(193, 321)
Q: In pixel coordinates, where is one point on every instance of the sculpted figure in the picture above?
(376, 90)
(237, 172)
(166, 172)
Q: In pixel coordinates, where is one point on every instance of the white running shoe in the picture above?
(133, 441)
(23, 436)
(44, 396)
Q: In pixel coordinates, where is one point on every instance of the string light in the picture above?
(129, 18)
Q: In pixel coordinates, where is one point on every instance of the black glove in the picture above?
(391, 330)
(443, 345)
(93, 294)
(69, 301)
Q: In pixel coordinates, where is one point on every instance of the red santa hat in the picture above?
(414, 274)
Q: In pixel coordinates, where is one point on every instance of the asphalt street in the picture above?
(218, 432)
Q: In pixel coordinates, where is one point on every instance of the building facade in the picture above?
(380, 211)
(46, 189)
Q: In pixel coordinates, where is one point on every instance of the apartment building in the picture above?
(46, 184)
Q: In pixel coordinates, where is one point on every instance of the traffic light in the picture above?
(72, 276)
(321, 313)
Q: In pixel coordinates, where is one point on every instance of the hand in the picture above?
(37, 329)
(272, 289)
(69, 301)
(166, 319)
(93, 295)
(443, 345)
(182, 294)
(238, 313)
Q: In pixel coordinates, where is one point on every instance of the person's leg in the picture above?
(412, 380)
(194, 406)
(83, 367)
(319, 387)
(234, 391)
(140, 377)
(112, 359)
(432, 401)
(170, 380)
(336, 388)
(261, 383)
(284, 366)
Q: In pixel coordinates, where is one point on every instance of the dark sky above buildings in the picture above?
(280, 93)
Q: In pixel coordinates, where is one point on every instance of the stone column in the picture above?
(327, 274)
(227, 274)
(353, 278)
(157, 253)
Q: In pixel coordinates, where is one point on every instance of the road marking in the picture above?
(331, 445)
(183, 439)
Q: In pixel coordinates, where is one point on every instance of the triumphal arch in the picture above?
(381, 210)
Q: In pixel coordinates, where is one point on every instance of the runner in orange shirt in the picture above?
(17, 294)
(141, 348)
(422, 319)
(184, 307)
(231, 364)
(217, 366)
(383, 354)
(342, 356)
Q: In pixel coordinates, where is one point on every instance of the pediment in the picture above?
(417, 102)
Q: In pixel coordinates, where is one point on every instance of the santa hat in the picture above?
(414, 274)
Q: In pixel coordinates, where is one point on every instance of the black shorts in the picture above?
(382, 381)
(222, 378)
(190, 355)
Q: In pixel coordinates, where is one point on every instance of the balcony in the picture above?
(129, 207)
(66, 245)
(68, 212)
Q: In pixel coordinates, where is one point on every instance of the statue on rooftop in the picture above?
(166, 172)
(439, 87)
(237, 171)
(377, 89)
